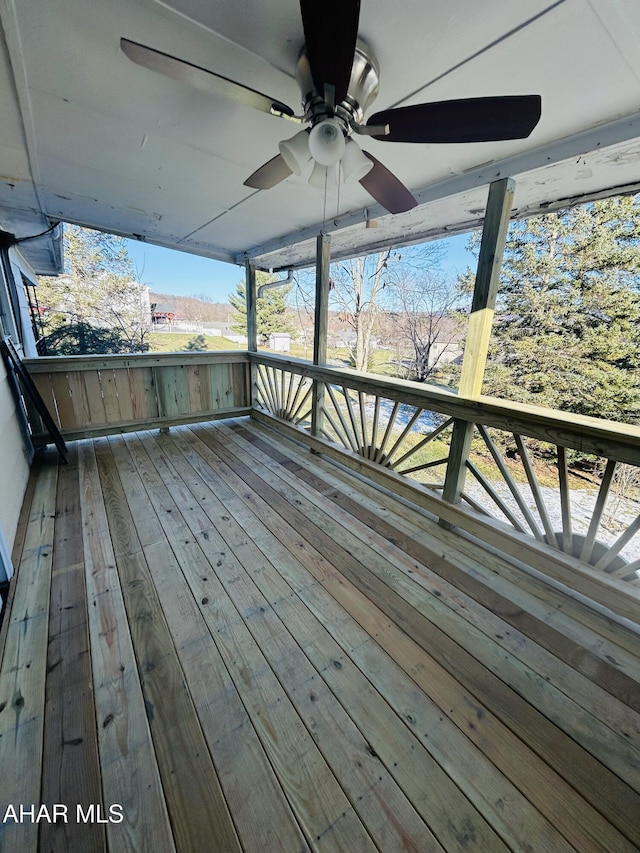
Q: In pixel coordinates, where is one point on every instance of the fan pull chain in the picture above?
(324, 208)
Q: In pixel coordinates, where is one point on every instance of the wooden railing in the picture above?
(99, 395)
(398, 434)
(522, 472)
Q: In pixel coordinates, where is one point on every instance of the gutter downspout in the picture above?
(271, 284)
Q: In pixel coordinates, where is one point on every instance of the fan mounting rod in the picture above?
(362, 92)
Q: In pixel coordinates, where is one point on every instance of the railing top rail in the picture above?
(580, 432)
(62, 364)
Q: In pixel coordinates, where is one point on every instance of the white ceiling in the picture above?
(87, 136)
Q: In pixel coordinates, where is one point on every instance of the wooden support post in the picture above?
(252, 326)
(461, 438)
(323, 262)
(494, 235)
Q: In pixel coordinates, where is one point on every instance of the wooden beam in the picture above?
(93, 363)
(323, 261)
(252, 325)
(252, 317)
(461, 438)
(494, 235)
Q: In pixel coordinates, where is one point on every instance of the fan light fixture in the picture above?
(355, 165)
(326, 142)
(325, 177)
(295, 151)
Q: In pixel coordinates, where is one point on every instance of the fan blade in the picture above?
(270, 174)
(200, 78)
(465, 120)
(387, 190)
(330, 34)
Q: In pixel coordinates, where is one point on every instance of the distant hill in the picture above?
(194, 308)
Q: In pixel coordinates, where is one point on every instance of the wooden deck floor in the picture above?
(230, 644)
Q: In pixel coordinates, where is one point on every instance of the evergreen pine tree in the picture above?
(567, 325)
(271, 309)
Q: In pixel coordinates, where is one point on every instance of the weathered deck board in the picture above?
(410, 609)
(250, 648)
(451, 816)
(594, 630)
(324, 812)
(254, 583)
(197, 809)
(22, 677)
(70, 761)
(129, 770)
(418, 773)
(583, 697)
(499, 585)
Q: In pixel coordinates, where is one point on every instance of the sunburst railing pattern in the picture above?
(390, 433)
(284, 394)
(595, 525)
(406, 429)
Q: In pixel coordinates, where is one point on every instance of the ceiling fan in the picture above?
(338, 77)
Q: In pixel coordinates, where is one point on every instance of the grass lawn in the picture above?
(178, 342)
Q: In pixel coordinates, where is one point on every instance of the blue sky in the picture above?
(182, 274)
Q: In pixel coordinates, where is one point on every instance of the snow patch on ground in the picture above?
(618, 514)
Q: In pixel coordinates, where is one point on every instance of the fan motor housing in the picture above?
(364, 86)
